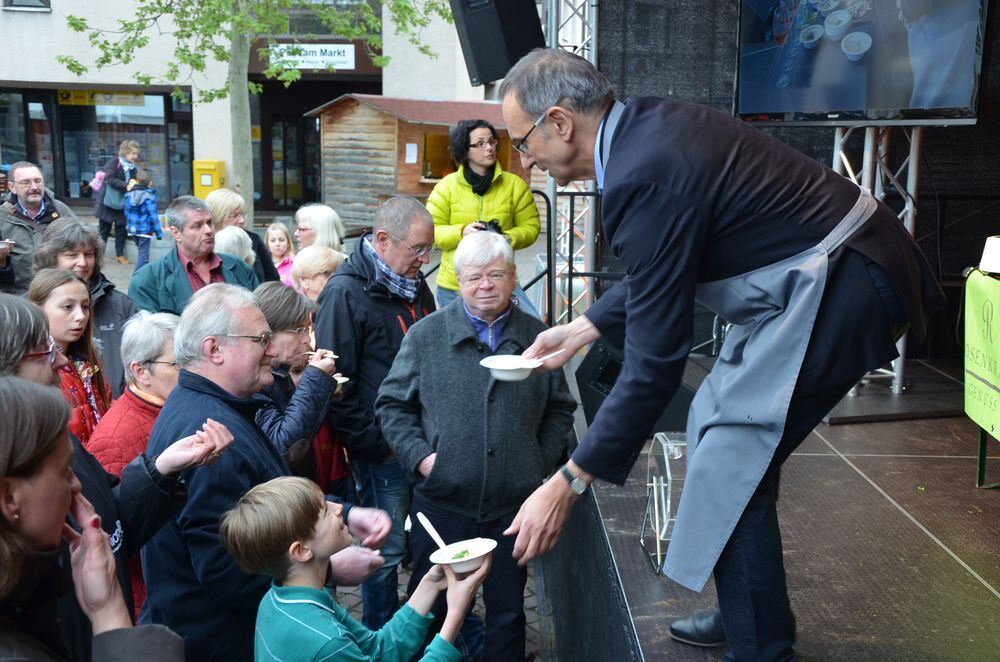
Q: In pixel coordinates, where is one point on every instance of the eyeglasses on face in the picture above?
(417, 252)
(297, 331)
(49, 352)
(518, 144)
(494, 277)
(263, 339)
(172, 364)
(483, 144)
(28, 182)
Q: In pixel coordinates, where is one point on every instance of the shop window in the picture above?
(437, 160)
(93, 133)
(28, 4)
(13, 146)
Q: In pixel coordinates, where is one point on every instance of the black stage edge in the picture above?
(890, 550)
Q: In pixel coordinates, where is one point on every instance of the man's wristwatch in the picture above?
(577, 485)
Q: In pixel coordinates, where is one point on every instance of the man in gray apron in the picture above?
(817, 278)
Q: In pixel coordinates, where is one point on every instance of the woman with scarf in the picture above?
(468, 200)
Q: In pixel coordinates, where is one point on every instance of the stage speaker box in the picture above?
(599, 371)
(495, 34)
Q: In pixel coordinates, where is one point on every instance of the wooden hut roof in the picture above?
(415, 111)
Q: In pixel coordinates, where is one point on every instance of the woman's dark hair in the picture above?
(459, 137)
(35, 419)
(68, 234)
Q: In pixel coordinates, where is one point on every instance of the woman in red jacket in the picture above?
(65, 299)
(150, 374)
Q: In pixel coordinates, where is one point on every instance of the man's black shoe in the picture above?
(701, 629)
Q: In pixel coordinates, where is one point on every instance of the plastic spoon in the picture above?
(431, 530)
(542, 359)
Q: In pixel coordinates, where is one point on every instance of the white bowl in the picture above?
(827, 6)
(990, 262)
(837, 23)
(510, 367)
(810, 36)
(855, 45)
(477, 549)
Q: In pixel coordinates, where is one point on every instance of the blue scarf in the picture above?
(401, 286)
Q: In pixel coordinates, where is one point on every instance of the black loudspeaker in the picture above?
(599, 371)
(495, 35)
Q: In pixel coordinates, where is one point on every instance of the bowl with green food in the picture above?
(464, 556)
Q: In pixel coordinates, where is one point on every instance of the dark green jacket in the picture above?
(27, 234)
(163, 287)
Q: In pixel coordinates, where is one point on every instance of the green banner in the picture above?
(982, 351)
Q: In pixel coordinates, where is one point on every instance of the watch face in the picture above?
(578, 486)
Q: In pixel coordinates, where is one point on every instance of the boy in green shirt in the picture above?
(286, 529)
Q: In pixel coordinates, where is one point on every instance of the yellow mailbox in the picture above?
(209, 175)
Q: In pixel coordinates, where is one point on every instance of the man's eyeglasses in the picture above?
(483, 144)
(50, 352)
(519, 143)
(28, 182)
(172, 364)
(263, 339)
(417, 252)
(495, 277)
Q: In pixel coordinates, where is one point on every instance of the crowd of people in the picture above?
(200, 461)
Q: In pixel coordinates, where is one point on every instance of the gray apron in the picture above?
(738, 415)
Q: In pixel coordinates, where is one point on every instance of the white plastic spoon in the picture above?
(431, 530)
(542, 359)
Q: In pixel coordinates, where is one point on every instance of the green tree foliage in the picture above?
(204, 30)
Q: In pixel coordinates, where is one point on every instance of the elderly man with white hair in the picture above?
(223, 349)
(475, 447)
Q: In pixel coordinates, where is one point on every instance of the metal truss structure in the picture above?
(571, 25)
(879, 177)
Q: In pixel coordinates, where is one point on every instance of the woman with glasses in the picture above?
(142, 500)
(319, 225)
(468, 200)
(65, 299)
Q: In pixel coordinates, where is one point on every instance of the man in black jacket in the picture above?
(363, 313)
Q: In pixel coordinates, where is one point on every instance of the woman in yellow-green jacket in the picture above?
(480, 192)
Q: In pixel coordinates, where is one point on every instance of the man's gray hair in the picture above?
(24, 328)
(398, 214)
(481, 248)
(551, 76)
(144, 337)
(210, 312)
(178, 210)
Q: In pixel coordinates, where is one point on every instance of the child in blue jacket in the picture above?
(141, 217)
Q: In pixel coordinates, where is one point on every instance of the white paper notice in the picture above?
(411, 152)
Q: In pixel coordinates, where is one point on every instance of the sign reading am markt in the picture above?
(982, 351)
(316, 56)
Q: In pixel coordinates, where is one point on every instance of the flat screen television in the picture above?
(860, 62)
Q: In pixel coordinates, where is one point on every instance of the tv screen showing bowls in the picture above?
(860, 62)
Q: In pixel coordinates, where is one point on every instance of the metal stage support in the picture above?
(571, 25)
(877, 175)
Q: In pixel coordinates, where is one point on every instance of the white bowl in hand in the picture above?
(510, 367)
(465, 555)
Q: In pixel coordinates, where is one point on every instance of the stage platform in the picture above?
(891, 554)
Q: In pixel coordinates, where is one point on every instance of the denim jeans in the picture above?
(446, 296)
(383, 485)
(142, 244)
(503, 589)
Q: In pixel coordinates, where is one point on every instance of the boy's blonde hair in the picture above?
(258, 531)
